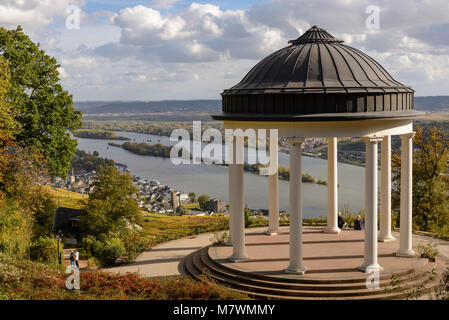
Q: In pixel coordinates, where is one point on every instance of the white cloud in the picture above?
(272, 38)
(33, 13)
(201, 32)
(62, 73)
(146, 51)
(207, 37)
(172, 29)
(138, 23)
(140, 78)
(84, 62)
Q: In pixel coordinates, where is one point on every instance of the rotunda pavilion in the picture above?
(319, 87)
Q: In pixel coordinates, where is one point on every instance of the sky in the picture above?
(177, 49)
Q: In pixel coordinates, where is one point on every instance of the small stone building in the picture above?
(216, 205)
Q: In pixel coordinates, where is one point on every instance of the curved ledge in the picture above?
(345, 116)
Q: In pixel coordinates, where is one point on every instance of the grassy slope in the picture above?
(159, 228)
(66, 198)
(191, 206)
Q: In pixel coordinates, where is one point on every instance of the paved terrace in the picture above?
(325, 255)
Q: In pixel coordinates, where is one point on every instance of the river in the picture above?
(213, 180)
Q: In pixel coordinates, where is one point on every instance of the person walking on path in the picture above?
(77, 257)
(72, 259)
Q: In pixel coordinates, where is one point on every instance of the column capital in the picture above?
(295, 140)
(386, 139)
(372, 139)
(409, 135)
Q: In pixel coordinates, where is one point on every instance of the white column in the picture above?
(231, 153)
(332, 187)
(237, 207)
(370, 245)
(385, 191)
(296, 255)
(273, 196)
(405, 238)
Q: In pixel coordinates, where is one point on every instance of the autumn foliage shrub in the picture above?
(24, 279)
(134, 286)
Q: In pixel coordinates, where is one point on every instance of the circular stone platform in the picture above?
(331, 261)
(326, 256)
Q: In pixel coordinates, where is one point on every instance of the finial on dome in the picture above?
(315, 35)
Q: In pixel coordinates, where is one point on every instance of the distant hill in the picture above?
(197, 106)
(433, 103)
(87, 105)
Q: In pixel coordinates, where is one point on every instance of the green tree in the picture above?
(89, 162)
(430, 181)
(8, 124)
(22, 185)
(192, 196)
(45, 109)
(43, 206)
(15, 230)
(112, 205)
(45, 249)
(202, 200)
(180, 210)
(107, 250)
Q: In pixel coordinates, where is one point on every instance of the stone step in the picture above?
(317, 281)
(428, 287)
(199, 263)
(309, 280)
(272, 283)
(242, 284)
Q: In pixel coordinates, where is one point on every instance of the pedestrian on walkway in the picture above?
(72, 259)
(77, 257)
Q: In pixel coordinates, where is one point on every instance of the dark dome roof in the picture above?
(316, 75)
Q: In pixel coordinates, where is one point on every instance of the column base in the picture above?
(370, 267)
(239, 258)
(405, 253)
(272, 232)
(332, 230)
(299, 271)
(388, 238)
